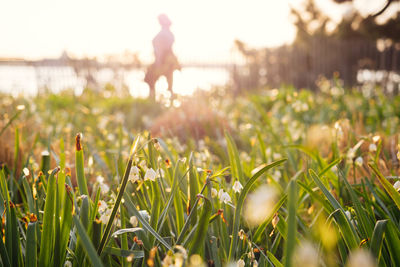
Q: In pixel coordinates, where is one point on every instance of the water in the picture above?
(30, 80)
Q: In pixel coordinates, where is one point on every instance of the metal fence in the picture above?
(302, 64)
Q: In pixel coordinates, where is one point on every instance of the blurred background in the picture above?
(244, 45)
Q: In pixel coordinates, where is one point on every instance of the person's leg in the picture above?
(170, 81)
(150, 78)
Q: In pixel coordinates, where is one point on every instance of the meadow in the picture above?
(275, 177)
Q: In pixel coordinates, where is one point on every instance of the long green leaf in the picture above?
(47, 237)
(31, 246)
(86, 243)
(274, 260)
(121, 191)
(200, 235)
(236, 166)
(348, 231)
(292, 226)
(131, 207)
(239, 205)
(377, 238)
(263, 226)
(79, 166)
(137, 254)
(388, 186)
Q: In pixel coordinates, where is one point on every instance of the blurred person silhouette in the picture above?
(165, 62)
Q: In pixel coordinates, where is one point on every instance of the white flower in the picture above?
(259, 204)
(68, 264)
(351, 154)
(224, 197)
(334, 169)
(240, 263)
(214, 192)
(105, 216)
(145, 215)
(376, 138)
(348, 214)
(372, 147)
(104, 188)
(100, 179)
(25, 171)
(237, 187)
(255, 263)
(361, 257)
(102, 206)
(150, 175)
(241, 234)
(134, 174)
(397, 185)
(359, 161)
(134, 221)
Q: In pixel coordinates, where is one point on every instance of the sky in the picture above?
(204, 30)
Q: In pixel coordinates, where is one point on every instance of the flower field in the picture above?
(280, 177)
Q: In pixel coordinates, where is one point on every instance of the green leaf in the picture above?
(191, 215)
(239, 205)
(126, 230)
(263, 226)
(28, 194)
(31, 245)
(3, 253)
(377, 238)
(121, 191)
(137, 254)
(292, 226)
(236, 166)
(47, 237)
(388, 186)
(393, 242)
(131, 207)
(366, 224)
(348, 231)
(86, 243)
(274, 260)
(197, 244)
(79, 167)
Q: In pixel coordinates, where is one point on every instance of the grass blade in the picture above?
(137, 254)
(31, 246)
(377, 238)
(291, 233)
(263, 226)
(47, 237)
(86, 243)
(130, 206)
(119, 196)
(388, 186)
(197, 244)
(239, 205)
(79, 164)
(234, 159)
(348, 231)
